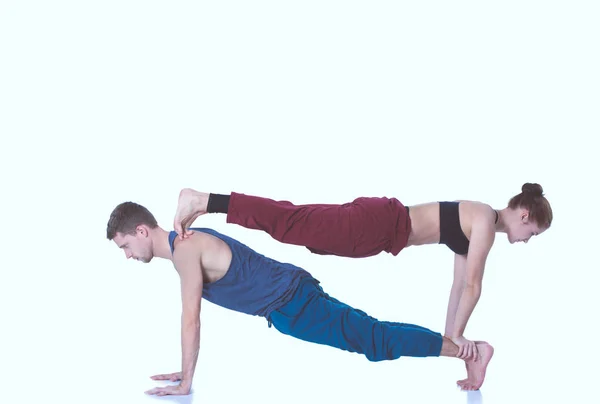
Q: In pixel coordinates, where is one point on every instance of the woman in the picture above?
(368, 226)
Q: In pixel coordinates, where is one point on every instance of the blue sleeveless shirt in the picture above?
(254, 284)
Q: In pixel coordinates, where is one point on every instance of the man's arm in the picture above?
(458, 285)
(187, 260)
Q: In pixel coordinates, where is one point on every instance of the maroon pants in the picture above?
(361, 228)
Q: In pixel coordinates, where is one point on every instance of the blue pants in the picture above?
(312, 315)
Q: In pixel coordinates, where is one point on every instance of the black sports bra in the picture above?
(450, 232)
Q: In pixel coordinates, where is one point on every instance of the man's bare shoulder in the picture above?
(211, 250)
(195, 243)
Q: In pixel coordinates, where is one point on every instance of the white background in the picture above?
(311, 101)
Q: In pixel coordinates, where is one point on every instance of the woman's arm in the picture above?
(458, 285)
(482, 238)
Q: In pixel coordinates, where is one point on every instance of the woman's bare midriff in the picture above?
(425, 222)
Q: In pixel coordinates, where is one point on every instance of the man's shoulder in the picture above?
(192, 245)
(200, 240)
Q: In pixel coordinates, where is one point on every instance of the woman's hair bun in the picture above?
(532, 189)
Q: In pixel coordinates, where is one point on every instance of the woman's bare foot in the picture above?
(469, 368)
(190, 205)
(476, 368)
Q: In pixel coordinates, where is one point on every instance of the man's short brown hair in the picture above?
(126, 217)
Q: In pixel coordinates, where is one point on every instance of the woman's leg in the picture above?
(364, 227)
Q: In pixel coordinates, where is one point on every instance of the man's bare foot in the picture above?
(469, 368)
(476, 368)
(469, 374)
(190, 205)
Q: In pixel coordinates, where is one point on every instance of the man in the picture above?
(230, 274)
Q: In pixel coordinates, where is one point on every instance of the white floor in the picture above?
(101, 341)
(279, 371)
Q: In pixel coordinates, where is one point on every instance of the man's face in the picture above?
(137, 246)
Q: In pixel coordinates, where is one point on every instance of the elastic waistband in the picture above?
(401, 229)
(301, 283)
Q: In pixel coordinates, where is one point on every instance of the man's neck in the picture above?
(160, 243)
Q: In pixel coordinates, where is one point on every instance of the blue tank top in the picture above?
(254, 284)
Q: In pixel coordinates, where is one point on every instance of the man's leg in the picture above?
(364, 227)
(314, 316)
